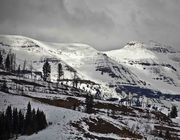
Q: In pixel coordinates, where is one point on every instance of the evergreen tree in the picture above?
(60, 71)
(12, 61)
(38, 119)
(34, 121)
(24, 65)
(21, 123)
(31, 69)
(1, 124)
(28, 129)
(1, 60)
(15, 121)
(4, 87)
(167, 135)
(46, 70)
(19, 70)
(89, 104)
(8, 63)
(8, 121)
(3, 132)
(138, 103)
(41, 120)
(75, 79)
(173, 113)
(160, 134)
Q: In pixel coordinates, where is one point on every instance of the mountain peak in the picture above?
(160, 48)
(133, 50)
(133, 43)
(17, 41)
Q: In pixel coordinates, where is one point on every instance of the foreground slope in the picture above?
(118, 121)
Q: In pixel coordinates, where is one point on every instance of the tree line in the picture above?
(9, 63)
(14, 123)
(47, 72)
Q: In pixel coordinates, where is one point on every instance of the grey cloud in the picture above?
(105, 24)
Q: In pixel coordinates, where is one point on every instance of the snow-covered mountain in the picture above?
(157, 64)
(138, 68)
(144, 69)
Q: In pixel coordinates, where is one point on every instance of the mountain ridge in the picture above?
(106, 68)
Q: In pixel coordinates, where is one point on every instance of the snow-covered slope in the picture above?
(59, 117)
(89, 63)
(157, 64)
(137, 68)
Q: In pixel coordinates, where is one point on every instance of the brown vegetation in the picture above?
(96, 125)
(114, 107)
(66, 103)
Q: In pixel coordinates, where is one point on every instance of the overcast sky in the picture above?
(104, 24)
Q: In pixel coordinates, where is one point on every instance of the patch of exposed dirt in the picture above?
(25, 82)
(166, 132)
(124, 109)
(101, 126)
(162, 117)
(166, 128)
(69, 103)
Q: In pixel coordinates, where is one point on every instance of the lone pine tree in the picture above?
(60, 71)
(46, 70)
(89, 104)
(7, 62)
(173, 113)
(1, 60)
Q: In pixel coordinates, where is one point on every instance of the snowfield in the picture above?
(153, 62)
(152, 65)
(147, 71)
(60, 117)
